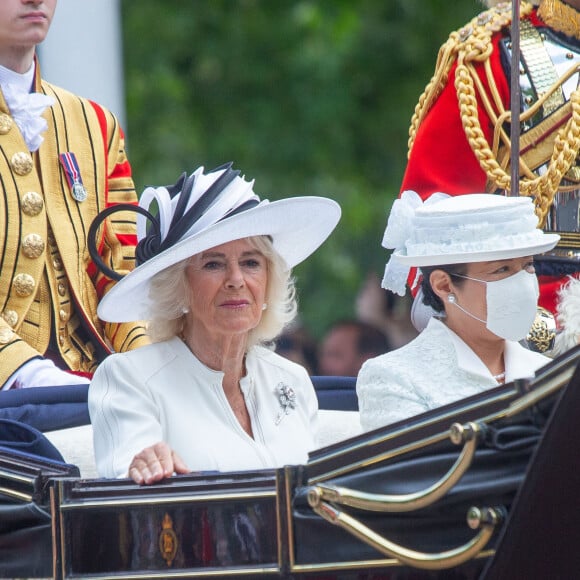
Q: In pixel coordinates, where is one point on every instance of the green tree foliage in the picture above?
(307, 97)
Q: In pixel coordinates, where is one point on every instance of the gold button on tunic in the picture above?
(31, 203)
(6, 123)
(24, 284)
(21, 163)
(11, 317)
(33, 246)
(6, 335)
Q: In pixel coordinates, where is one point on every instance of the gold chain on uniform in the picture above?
(472, 45)
(560, 17)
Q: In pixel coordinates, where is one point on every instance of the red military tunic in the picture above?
(441, 157)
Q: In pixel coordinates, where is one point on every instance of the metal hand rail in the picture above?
(486, 518)
(467, 434)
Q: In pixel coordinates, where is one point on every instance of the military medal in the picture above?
(79, 192)
(70, 165)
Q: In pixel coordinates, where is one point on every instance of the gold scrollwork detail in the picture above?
(542, 335)
(168, 541)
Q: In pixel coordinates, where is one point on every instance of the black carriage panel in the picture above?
(191, 523)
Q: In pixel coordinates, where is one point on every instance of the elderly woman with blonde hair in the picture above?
(214, 283)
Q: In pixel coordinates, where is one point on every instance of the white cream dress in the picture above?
(434, 369)
(162, 392)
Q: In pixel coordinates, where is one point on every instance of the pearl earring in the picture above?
(451, 298)
(264, 306)
(185, 310)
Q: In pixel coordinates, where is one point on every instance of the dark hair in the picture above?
(297, 338)
(429, 297)
(370, 340)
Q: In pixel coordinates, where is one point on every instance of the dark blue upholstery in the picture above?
(53, 408)
(336, 393)
(26, 440)
(47, 408)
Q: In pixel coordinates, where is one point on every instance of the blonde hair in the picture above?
(169, 291)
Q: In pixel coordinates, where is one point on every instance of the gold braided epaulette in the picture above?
(564, 142)
(471, 43)
(470, 48)
(474, 39)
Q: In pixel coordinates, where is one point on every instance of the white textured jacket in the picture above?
(434, 369)
(162, 392)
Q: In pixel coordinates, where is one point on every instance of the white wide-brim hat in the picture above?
(297, 227)
(477, 227)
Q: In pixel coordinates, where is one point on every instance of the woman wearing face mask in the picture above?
(475, 253)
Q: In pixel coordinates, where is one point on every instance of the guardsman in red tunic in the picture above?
(62, 160)
(460, 132)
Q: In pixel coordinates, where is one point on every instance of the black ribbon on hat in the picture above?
(152, 244)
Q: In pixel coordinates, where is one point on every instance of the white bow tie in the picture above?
(27, 109)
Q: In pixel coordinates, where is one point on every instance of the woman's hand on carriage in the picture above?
(156, 463)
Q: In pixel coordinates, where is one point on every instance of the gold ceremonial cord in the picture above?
(447, 55)
(544, 187)
(473, 40)
(471, 45)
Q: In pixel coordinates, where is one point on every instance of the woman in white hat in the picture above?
(475, 253)
(213, 281)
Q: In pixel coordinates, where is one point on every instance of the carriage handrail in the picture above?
(467, 434)
(485, 518)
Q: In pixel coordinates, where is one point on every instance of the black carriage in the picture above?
(479, 488)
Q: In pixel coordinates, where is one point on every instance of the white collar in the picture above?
(20, 82)
(467, 360)
(25, 107)
(517, 365)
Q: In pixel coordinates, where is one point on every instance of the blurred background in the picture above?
(307, 97)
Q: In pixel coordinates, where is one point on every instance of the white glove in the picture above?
(42, 372)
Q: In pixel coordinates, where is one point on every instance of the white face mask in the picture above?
(511, 305)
